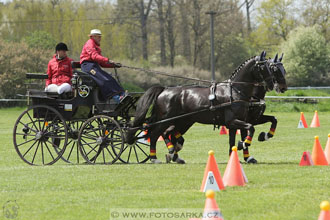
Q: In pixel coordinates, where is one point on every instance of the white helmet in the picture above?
(95, 32)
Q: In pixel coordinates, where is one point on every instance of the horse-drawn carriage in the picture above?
(77, 127)
(83, 127)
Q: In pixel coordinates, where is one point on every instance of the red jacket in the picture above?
(92, 52)
(59, 71)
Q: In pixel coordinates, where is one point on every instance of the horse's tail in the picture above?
(144, 110)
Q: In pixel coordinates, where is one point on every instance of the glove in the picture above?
(117, 65)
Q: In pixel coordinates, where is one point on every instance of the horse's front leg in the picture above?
(243, 125)
(246, 153)
(232, 138)
(263, 136)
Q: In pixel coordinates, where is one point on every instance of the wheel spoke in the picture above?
(137, 158)
(142, 150)
(31, 121)
(49, 151)
(25, 142)
(110, 153)
(42, 153)
(30, 148)
(35, 152)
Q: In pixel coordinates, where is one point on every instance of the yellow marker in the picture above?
(316, 137)
(211, 152)
(328, 135)
(210, 194)
(325, 206)
(234, 148)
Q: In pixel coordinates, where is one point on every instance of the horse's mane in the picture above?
(240, 67)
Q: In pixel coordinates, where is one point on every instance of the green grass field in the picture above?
(278, 188)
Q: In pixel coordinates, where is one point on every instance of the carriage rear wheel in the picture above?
(72, 154)
(137, 152)
(100, 140)
(40, 135)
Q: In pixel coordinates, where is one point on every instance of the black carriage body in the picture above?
(85, 102)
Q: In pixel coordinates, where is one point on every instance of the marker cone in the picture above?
(327, 150)
(211, 210)
(223, 130)
(306, 159)
(211, 166)
(318, 154)
(302, 121)
(325, 213)
(233, 174)
(315, 122)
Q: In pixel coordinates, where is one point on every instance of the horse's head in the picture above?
(278, 72)
(263, 72)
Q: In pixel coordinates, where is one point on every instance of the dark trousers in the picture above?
(108, 85)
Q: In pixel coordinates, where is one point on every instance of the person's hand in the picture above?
(117, 65)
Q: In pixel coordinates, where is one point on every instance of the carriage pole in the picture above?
(212, 13)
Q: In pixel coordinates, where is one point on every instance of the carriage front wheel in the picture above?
(40, 135)
(100, 140)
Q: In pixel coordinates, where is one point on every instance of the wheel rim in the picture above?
(137, 152)
(100, 140)
(40, 135)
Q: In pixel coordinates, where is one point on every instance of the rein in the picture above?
(188, 78)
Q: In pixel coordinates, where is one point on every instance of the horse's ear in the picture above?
(275, 59)
(281, 58)
(262, 56)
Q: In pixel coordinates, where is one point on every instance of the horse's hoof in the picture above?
(155, 161)
(251, 160)
(180, 161)
(168, 158)
(240, 145)
(262, 136)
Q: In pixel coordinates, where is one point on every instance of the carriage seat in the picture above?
(37, 93)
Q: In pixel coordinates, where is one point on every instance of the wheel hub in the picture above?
(99, 140)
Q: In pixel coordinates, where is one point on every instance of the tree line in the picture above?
(172, 34)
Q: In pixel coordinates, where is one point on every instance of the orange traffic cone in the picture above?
(223, 130)
(315, 122)
(327, 150)
(302, 122)
(233, 174)
(318, 154)
(212, 178)
(306, 159)
(325, 213)
(211, 210)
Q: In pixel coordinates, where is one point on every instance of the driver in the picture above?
(91, 59)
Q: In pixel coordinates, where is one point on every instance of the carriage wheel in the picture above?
(72, 154)
(137, 152)
(100, 140)
(40, 135)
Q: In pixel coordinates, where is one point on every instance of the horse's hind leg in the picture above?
(267, 118)
(153, 156)
(171, 141)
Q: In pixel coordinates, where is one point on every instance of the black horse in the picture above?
(224, 103)
(257, 108)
